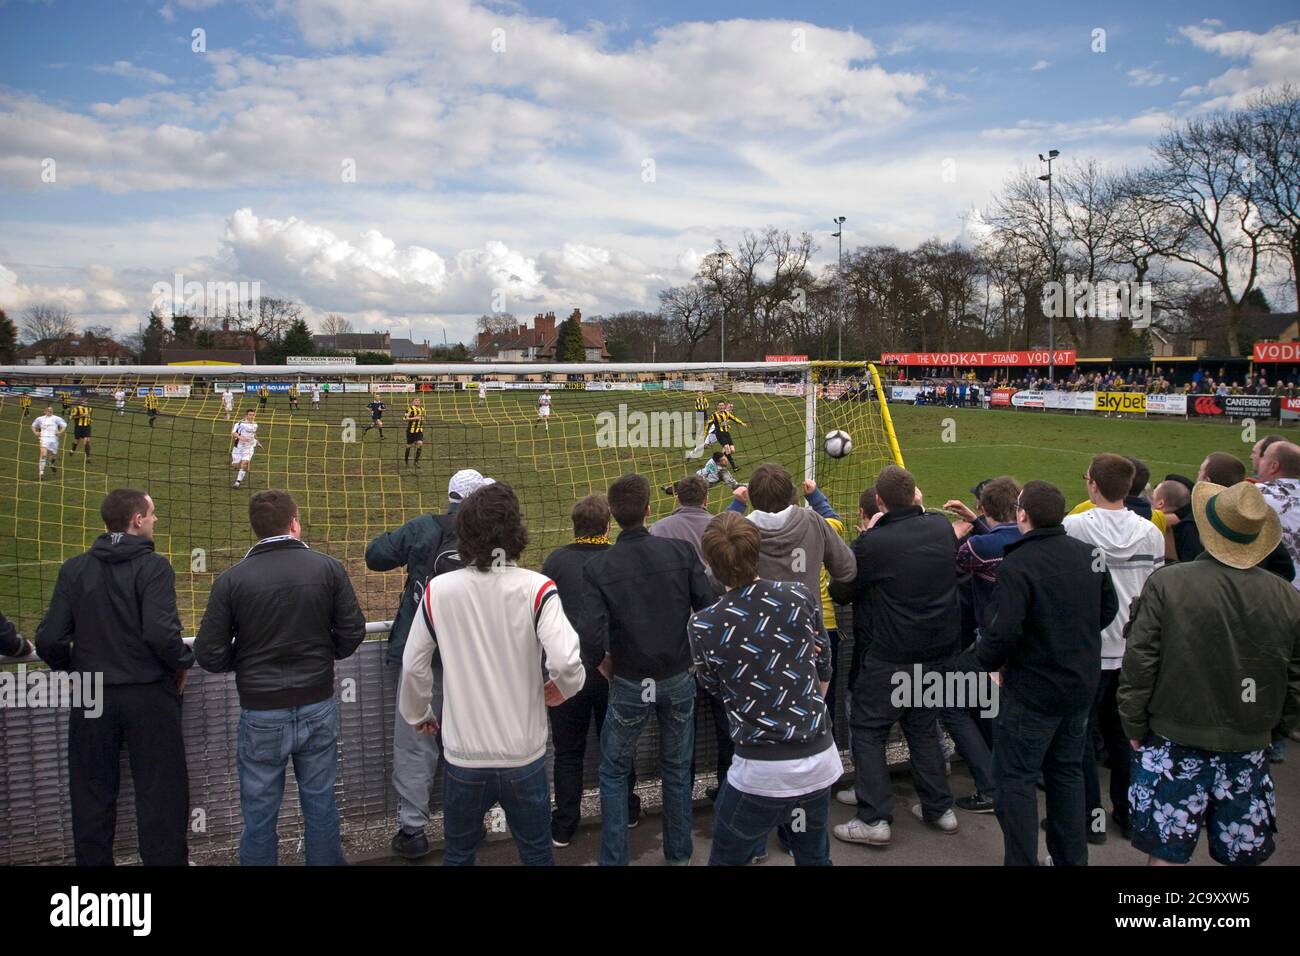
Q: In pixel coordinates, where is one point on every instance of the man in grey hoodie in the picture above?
(797, 541)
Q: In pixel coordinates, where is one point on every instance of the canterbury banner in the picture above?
(979, 359)
(1234, 406)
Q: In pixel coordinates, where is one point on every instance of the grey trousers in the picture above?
(415, 763)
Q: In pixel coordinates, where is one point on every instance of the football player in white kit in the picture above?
(120, 398)
(544, 409)
(315, 395)
(47, 428)
(228, 403)
(482, 392)
(244, 436)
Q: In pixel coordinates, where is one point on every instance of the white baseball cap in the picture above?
(464, 483)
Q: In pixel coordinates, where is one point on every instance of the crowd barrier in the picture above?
(1125, 402)
(35, 814)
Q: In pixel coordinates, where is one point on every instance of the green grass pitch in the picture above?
(348, 491)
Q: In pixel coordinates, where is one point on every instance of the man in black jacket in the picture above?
(11, 644)
(425, 546)
(113, 614)
(571, 719)
(908, 563)
(1050, 605)
(279, 619)
(639, 595)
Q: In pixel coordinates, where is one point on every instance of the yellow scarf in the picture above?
(592, 539)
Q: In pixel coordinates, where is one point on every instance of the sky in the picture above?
(414, 164)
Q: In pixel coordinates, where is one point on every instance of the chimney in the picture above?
(577, 314)
(225, 325)
(484, 337)
(545, 324)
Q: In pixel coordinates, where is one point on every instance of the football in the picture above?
(838, 444)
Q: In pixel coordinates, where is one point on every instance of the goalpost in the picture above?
(352, 483)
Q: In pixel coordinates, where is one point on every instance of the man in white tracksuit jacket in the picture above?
(1130, 547)
(491, 621)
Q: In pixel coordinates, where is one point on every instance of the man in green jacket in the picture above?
(1212, 664)
(417, 546)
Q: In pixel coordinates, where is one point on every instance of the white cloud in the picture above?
(1040, 65)
(1272, 58)
(129, 70)
(1143, 76)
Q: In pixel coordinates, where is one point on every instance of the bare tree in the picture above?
(265, 319)
(498, 323)
(47, 326)
(690, 314)
(1202, 184)
(1267, 133)
(335, 324)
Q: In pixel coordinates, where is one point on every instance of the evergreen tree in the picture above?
(569, 347)
(153, 340)
(8, 339)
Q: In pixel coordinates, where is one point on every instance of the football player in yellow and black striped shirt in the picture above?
(25, 403)
(80, 427)
(414, 430)
(151, 406)
(263, 394)
(293, 395)
(722, 423)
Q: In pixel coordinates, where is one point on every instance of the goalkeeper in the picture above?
(715, 472)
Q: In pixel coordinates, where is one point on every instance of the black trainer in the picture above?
(975, 803)
(410, 846)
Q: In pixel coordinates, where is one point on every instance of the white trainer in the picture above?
(947, 823)
(876, 833)
(847, 797)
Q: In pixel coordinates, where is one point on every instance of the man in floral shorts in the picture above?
(1205, 680)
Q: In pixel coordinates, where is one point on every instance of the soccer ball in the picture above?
(838, 444)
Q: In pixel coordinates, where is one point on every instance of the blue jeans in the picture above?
(268, 739)
(672, 701)
(469, 792)
(742, 822)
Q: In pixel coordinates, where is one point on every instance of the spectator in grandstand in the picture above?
(639, 595)
(1051, 604)
(690, 518)
(570, 720)
(425, 546)
(786, 759)
(113, 613)
(493, 623)
(1130, 547)
(11, 644)
(279, 619)
(909, 563)
(1200, 631)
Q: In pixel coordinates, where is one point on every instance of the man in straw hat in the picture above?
(1205, 680)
